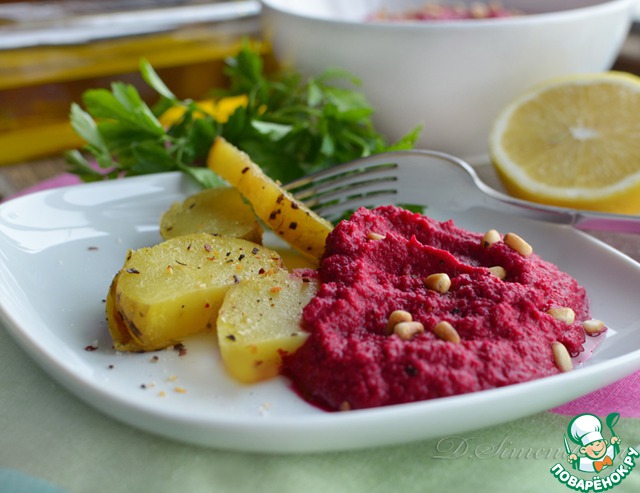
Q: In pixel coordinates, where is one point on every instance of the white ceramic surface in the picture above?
(452, 76)
(59, 250)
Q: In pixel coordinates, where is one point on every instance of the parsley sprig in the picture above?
(289, 126)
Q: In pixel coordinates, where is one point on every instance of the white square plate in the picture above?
(59, 250)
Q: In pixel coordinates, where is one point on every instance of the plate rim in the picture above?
(111, 404)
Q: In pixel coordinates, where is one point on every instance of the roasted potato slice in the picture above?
(260, 320)
(174, 289)
(296, 224)
(219, 211)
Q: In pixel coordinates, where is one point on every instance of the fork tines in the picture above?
(343, 187)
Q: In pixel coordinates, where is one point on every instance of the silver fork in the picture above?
(423, 177)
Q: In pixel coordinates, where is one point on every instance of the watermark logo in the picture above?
(592, 454)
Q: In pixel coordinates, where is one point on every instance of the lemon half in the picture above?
(573, 142)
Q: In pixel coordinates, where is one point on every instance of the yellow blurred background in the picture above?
(52, 51)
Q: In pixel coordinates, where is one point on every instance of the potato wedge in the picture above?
(219, 211)
(296, 224)
(260, 320)
(174, 289)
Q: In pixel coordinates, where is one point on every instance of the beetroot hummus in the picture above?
(377, 262)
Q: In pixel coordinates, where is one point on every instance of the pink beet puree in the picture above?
(350, 362)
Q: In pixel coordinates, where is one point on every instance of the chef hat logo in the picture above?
(585, 429)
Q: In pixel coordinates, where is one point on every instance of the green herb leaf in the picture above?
(204, 176)
(289, 126)
(151, 77)
(79, 166)
(86, 127)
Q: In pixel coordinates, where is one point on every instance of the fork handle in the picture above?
(619, 223)
(580, 219)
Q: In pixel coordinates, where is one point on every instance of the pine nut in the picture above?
(516, 243)
(562, 357)
(490, 237)
(498, 271)
(445, 331)
(406, 330)
(593, 326)
(375, 236)
(344, 406)
(397, 317)
(439, 282)
(563, 314)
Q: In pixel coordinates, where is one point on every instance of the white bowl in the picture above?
(453, 77)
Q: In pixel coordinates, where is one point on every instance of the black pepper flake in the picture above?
(261, 271)
(180, 263)
(91, 348)
(143, 386)
(280, 199)
(133, 270)
(255, 250)
(155, 358)
(231, 337)
(92, 248)
(180, 348)
(133, 327)
(294, 205)
(189, 247)
(241, 256)
(293, 225)
(244, 170)
(236, 279)
(411, 370)
(273, 215)
(111, 367)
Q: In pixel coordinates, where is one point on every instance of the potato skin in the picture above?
(220, 211)
(169, 291)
